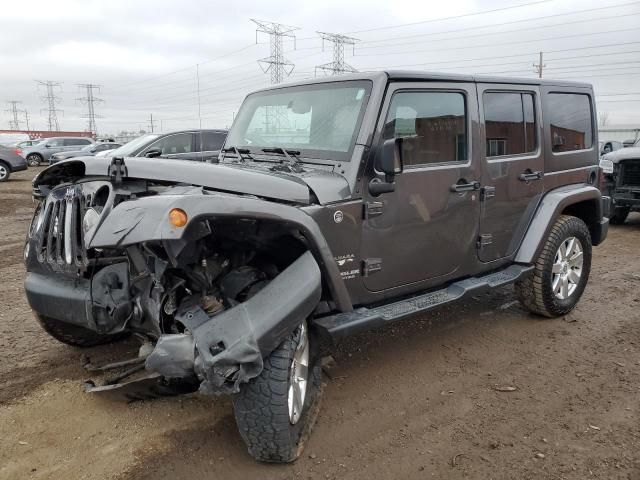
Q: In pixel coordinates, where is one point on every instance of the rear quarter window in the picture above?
(570, 120)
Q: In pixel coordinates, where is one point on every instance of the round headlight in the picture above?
(90, 220)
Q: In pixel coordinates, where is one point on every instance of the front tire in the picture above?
(5, 172)
(561, 271)
(276, 410)
(72, 334)
(33, 159)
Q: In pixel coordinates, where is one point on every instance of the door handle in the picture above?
(465, 187)
(528, 176)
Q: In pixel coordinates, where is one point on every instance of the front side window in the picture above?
(432, 125)
(509, 123)
(319, 120)
(211, 141)
(570, 118)
(173, 144)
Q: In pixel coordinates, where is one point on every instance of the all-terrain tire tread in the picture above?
(532, 291)
(72, 334)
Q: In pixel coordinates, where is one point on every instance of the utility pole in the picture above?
(539, 66)
(14, 124)
(151, 122)
(90, 100)
(338, 65)
(51, 100)
(198, 87)
(275, 63)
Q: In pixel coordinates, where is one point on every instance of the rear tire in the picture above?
(561, 271)
(33, 159)
(72, 334)
(619, 216)
(263, 408)
(5, 172)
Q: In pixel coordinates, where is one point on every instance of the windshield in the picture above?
(129, 149)
(319, 120)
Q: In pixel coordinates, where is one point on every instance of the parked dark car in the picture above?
(88, 151)
(201, 145)
(41, 152)
(10, 162)
(622, 181)
(338, 205)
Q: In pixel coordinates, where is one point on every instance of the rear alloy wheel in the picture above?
(33, 159)
(561, 271)
(5, 173)
(276, 410)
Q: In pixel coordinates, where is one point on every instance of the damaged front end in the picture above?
(213, 297)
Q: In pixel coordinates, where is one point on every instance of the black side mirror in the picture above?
(153, 153)
(389, 162)
(389, 159)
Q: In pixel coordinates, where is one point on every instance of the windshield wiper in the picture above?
(290, 155)
(238, 151)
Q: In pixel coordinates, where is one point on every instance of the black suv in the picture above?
(621, 170)
(201, 145)
(338, 205)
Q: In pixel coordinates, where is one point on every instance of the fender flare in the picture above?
(550, 208)
(146, 219)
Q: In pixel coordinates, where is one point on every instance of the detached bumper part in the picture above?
(228, 349)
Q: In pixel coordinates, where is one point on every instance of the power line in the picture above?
(51, 100)
(525, 20)
(275, 63)
(90, 100)
(14, 123)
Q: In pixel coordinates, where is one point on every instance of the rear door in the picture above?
(427, 228)
(513, 164)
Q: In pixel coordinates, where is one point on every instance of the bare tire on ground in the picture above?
(561, 271)
(276, 410)
(33, 159)
(72, 334)
(619, 215)
(5, 172)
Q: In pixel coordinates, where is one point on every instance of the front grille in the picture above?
(60, 239)
(630, 174)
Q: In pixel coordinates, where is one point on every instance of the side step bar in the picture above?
(345, 324)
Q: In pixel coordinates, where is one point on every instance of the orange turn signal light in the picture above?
(178, 217)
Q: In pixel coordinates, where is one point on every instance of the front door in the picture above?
(513, 166)
(427, 228)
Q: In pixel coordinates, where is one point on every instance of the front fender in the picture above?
(550, 208)
(146, 219)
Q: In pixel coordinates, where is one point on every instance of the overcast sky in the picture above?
(144, 53)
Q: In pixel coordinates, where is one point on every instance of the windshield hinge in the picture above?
(117, 171)
(371, 265)
(372, 209)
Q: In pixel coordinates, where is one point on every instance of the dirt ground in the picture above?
(419, 399)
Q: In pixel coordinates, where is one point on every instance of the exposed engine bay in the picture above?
(209, 300)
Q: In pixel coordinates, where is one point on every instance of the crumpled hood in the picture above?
(238, 178)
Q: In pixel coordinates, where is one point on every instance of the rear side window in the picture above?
(68, 142)
(433, 126)
(570, 119)
(212, 141)
(509, 123)
(58, 142)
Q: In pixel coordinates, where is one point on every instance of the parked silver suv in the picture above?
(43, 150)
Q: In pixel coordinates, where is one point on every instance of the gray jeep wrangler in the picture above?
(336, 206)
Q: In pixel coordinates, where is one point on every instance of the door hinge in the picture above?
(484, 239)
(373, 209)
(488, 192)
(371, 265)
